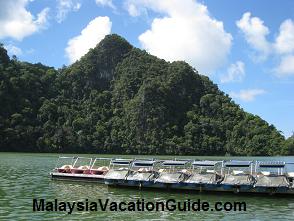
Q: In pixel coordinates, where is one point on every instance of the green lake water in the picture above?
(26, 176)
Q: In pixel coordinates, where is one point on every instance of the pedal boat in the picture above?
(118, 171)
(271, 177)
(205, 175)
(142, 173)
(238, 176)
(171, 174)
(76, 170)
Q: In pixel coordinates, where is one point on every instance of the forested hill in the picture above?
(119, 99)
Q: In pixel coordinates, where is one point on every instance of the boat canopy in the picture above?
(174, 163)
(272, 164)
(65, 160)
(143, 163)
(121, 162)
(205, 163)
(64, 157)
(103, 158)
(81, 161)
(235, 163)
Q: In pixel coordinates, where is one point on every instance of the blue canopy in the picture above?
(103, 158)
(272, 164)
(235, 163)
(174, 163)
(205, 163)
(121, 162)
(143, 163)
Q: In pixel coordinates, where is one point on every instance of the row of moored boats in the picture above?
(270, 177)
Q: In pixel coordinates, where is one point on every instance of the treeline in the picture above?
(119, 99)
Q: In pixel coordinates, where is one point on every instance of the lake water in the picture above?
(24, 177)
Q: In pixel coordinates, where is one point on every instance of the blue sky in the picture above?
(246, 47)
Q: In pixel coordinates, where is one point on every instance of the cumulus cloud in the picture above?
(133, 10)
(282, 47)
(285, 40)
(286, 66)
(247, 95)
(66, 6)
(105, 3)
(13, 50)
(255, 34)
(89, 37)
(185, 32)
(235, 73)
(17, 22)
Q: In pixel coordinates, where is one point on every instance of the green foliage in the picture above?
(4, 58)
(290, 145)
(119, 99)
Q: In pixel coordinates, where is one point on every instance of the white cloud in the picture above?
(286, 66)
(17, 22)
(284, 45)
(66, 6)
(186, 32)
(255, 34)
(235, 73)
(132, 9)
(247, 95)
(105, 3)
(89, 37)
(42, 17)
(285, 40)
(282, 48)
(13, 50)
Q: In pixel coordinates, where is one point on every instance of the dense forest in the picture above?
(119, 99)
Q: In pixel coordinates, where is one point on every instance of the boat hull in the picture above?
(209, 187)
(195, 187)
(78, 177)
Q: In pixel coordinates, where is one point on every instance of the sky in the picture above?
(245, 47)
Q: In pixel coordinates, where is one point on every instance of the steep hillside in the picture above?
(119, 99)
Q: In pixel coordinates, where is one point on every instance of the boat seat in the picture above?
(186, 172)
(290, 174)
(143, 170)
(169, 177)
(266, 173)
(206, 171)
(210, 171)
(104, 168)
(240, 179)
(238, 172)
(65, 169)
(272, 181)
(140, 176)
(116, 174)
(100, 170)
(123, 168)
(202, 178)
(83, 167)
